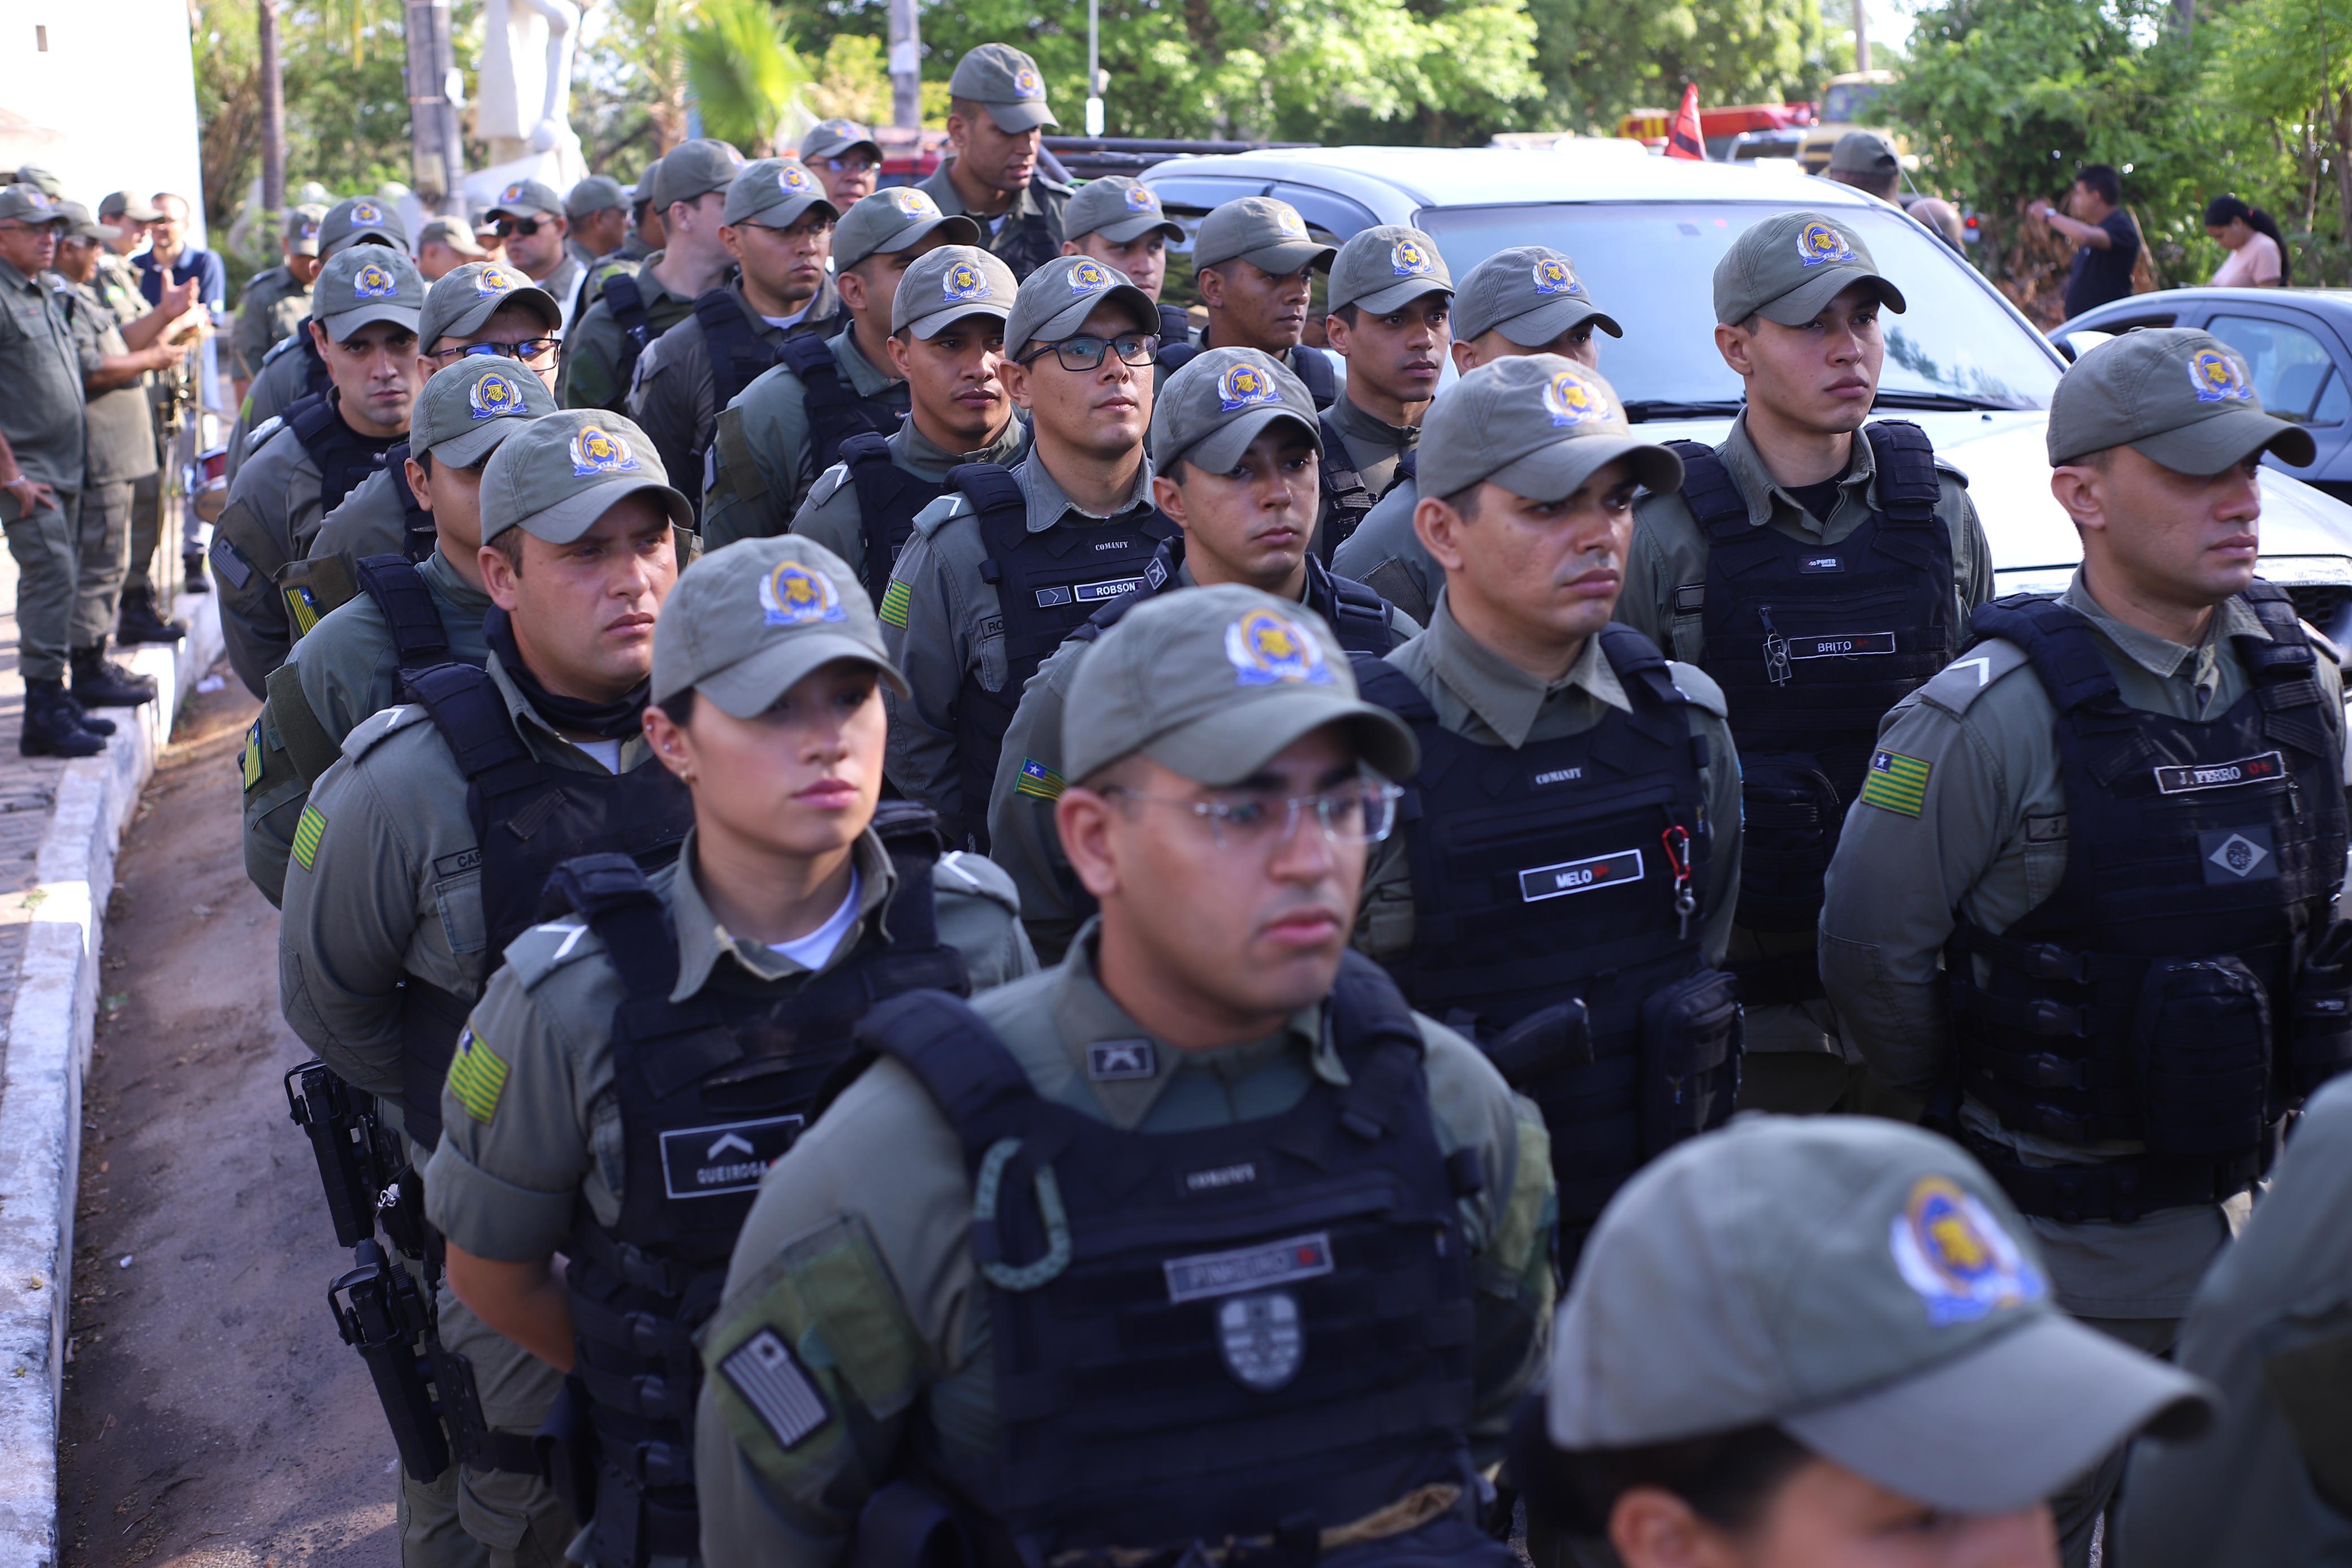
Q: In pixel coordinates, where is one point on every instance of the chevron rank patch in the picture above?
(1897, 783)
(895, 600)
(1038, 781)
(307, 830)
(477, 1076)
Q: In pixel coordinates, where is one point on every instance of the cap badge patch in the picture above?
(495, 280)
(2216, 377)
(963, 281)
(912, 202)
(1287, 221)
(1026, 85)
(795, 595)
(494, 395)
(796, 178)
(372, 282)
(1409, 258)
(309, 231)
(511, 194)
(1957, 1258)
(1139, 200)
(1553, 276)
(367, 212)
(595, 450)
(1088, 277)
(1242, 385)
(1819, 244)
(1572, 401)
(1266, 648)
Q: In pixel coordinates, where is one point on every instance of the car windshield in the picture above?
(1848, 102)
(1652, 266)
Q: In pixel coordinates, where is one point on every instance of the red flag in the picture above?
(1682, 138)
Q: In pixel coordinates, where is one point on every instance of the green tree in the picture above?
(743, 70)
(1602, 59)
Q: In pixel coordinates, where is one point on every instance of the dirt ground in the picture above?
(213, 1418)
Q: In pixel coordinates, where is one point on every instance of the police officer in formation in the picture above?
(1390, 317)
(634, 1067)
(1121, 222)
(633, 308)
(845, 160)
(993, 173)
(1236, 451)
(788, 427)
(535, 237)
(1254, 267)
(596, 225)
(276, 302)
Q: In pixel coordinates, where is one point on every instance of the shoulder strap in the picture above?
(628, 305)
(910, 832)
(1907, 487)
(2284, 670)
(737, 354)
(809, 356)
(1639, 666)
(610, 891)
(1359, 618)
(990, 487)
(866, 456)
(959, 1060)
(2058, 644)
(1312, 368)
(1381, 1045)
(1381, 681)
(311, 417)
(418, 536)
(464, 706)
(1175, 327)
(399, 591)
(1174, 356)
(1408, 466)
(1708, 491)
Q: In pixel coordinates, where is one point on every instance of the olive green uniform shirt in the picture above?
(941, 619)
(591, 375)
(1373, 444)
(1666, 577)
(1000, 233)
(370, 521)
(272, 306)
(832, 515)
(119, 425)
(760, 467)
(275, 505)
(41, 411)
(674, 396)
(860, 1241)
(1387, 556)
(1989, 845)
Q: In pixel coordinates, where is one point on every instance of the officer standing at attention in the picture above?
(1121, 222)
(1235, 450)
(768, 445)
(1202, 1158)
(1817, 579)
(1392, 319)
(600, 357)
(1012, 562)
(1253, 268)
(412, 871)
(1526, 300)
(996, 116)
(536, 237)
(124, 218)
(845, 160)
(363, 321)
(779, 230)
(947, 348)
(276, 302)
(2119, 823)
(627, 1076)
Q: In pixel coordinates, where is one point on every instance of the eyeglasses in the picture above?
(1360, 813)
(1086, 351)
(506, 228)
(531, 351)
(861, 164)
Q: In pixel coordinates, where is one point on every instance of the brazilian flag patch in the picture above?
(1897, 783)
(1038, 781)
(307, 834)
(477, 1076)
(248, 761)
(895, 600)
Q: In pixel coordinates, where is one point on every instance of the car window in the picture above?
(1650, 267)
(2293, 374)
(1178, 288)
(1848, 102)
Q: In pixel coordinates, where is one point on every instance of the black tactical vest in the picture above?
(344, 456)
(1249, 1333)
(1812, 644)
(1046, 585)
(1029, 243)
(417, 535)
(529, 816)
(1175, 326)
(888, 498)
(738, 352)
(1346, 496)
(2180, 987)
(627, 301)
(835, 411)
(711, 1091)
(1556, 920)
(410, 613)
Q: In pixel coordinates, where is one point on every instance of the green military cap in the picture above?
(1864, 152)
(526, 199)
(1216, 682)
(837, 138)
(1866, 1288)
(44, 180)
(1264, 231)
(1055, 301)
(30, 206)
(79, 225)
(559, 474)
(596, 193)
(301, 229)
(1387, 268)
(1788, 267)
(2176, 396)
(891, 220)
(1008, 82)
(692, 169)
(641, 193)
(469, 408)
(366, 285)
(1119, 209)
(1531, 294)
(747, 624)
(359, 220)
(946, 285)
(1220, 401)
(775, 193)
(1538, 425)
(129, 205)
(464, 297)
(455, 233)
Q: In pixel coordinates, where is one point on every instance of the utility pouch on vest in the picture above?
(1793, 815)
(2320, 1035)
(567, 1449)
(2202, 1056)
(1550, 1040)
(905, 1526)
(1690, 1057)
(383, 1316)
(315, 589)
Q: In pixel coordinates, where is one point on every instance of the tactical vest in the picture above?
(1242, 1335)
(711, 1092)
(1175, 326)
(2184, 986)
(1812, 644)
(834, 408)
(738, 352)
(317, 585)
(410, 613)
(627, 301)
(1347, 498)
(1556, 920)
(889, 499)
(1033, 243)
(417, 536)
(1046, 585)
(342, 454)
(315, 378)
(529, 817)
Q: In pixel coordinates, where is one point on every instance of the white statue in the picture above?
(522, 96)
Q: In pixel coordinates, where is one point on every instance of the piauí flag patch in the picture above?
(895, 600)
(1897, 783)
(477, 1076)
(1038, 781)
(307, 830)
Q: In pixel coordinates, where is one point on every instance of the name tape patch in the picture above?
(707, 1162)
(1217, 1178)
(1816, 565)
(2257, 769)
(764, 1375)
(1539, 882)
(1849, 645)
(1100, 593)
(1208, 1274)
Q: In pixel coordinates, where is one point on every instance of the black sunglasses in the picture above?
(506, 228)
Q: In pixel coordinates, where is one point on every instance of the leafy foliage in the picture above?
(1600, 58)
(742, 71)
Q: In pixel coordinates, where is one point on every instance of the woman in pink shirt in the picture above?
(2257, 250)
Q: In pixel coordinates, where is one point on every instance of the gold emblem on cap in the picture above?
(1268, 648)
(2216, 377)
(595, 450)
(1572, 400)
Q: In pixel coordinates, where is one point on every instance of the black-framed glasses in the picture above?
(1360, 813)
(507, 228)
(1085, 352)
(530, 351)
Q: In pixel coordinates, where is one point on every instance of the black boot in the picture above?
(194, 561)
(50, 727)
(99, 682)
(89, 721)
(138, 621)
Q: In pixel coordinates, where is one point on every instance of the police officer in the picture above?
(534, 233)
(996, 119)
(597, 219)
(1121, 222)
(779, 230)
(125, 216)
(1526, 300)
(845, 160)
(1125, 1287)
(2120, 822)
(947, 349)
(444, 245)
(412, 871)
(1012, 562)
(688, 1022)
(643, 238)
(1797, 1342)
(788, 426)
(1391, 301)
(631, 309)
(364, 322)
(277, 301)
(404, 615)
(1817, 569)
(1235, 452)
(1253, 268)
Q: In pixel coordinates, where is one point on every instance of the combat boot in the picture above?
(193, 562)
(99, 682)
(88, 720)
(138, 621)
(51, 728)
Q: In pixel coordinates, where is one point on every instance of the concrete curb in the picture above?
(51, 1019)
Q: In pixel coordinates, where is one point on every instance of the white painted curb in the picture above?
(50, 1024)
